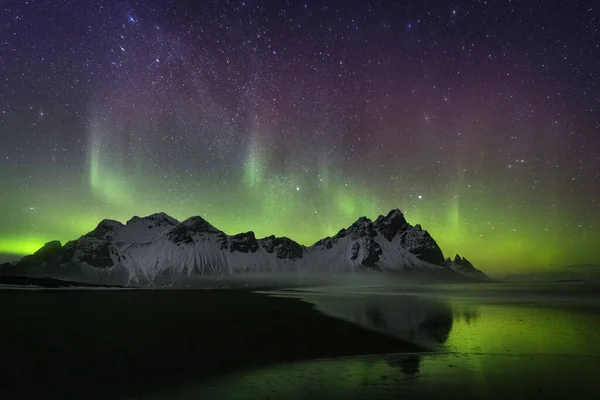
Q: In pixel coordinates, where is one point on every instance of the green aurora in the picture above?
(297, 119)
(494, 236)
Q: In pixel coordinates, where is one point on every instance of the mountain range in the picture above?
(158, 249)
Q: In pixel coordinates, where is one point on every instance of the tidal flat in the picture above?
(359, 342)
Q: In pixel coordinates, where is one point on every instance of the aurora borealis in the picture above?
(480, 120)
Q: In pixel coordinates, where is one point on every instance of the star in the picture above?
(258, 114)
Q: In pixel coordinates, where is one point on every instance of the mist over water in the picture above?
(322, 281)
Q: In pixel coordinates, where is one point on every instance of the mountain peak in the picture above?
(105, 229)
(199, 224)
(420, 243)
(464, 266)
(392, 224)
(244, 242)
(52, 245)
(394, 213)
(157, 247)
(362, 227)
(159, 219)
(283, 247)
(362, 221)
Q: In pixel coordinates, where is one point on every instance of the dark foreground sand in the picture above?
(117, 343)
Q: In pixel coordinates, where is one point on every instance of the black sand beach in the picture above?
(120, 343)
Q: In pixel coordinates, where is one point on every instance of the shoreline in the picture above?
(111, 343)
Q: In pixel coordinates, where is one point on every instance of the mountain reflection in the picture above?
(483, 341)
(424, 321)
(469, 315)
(409, 364)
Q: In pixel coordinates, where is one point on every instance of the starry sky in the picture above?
(480, 120)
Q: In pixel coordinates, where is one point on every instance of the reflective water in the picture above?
(486, 341)
(491, 319)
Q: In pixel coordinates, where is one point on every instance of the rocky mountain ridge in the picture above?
(158, 248)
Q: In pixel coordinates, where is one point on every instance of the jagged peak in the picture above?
(133, 219)
(109, 223)
(161, 215)
(268, 238)
(361, 222)
(104, 227)
(464, 266)
(158, 217)
(465, 262)
(394, 215)
(51, 245)
(273, 238)
(249, 234)
(363, 227)
(391, 224)
(358, 246)
(395, 212)
(200, 224)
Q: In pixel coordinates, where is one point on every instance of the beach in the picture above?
(120, 343)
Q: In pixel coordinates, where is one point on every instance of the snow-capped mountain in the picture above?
(158, 247)
(464, 267)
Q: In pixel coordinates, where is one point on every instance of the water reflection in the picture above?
(447, 376)
(409, 364)
(426, 321)
(469, 325)
(483, 349)
(469, 315)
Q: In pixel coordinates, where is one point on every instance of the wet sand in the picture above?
(121, 344)
(493, 341)
(421, 377)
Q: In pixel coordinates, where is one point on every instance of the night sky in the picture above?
(480, 120)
